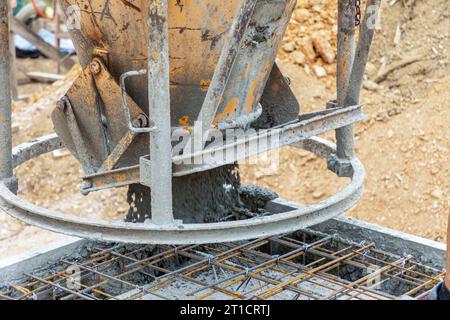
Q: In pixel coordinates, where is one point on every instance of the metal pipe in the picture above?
(150, 233)
(126, 109)
(362, 52)
(12, 62)
(223, 70)
(159, 112)
(346, 52)
(57, 11)
(6, 166)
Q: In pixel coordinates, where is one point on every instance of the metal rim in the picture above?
(299, 217)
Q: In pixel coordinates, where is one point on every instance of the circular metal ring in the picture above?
(296, 218)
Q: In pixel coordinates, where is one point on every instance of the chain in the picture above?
(358, 12)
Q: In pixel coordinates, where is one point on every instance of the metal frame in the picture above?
(159, 112)
(163, 229)
(307, 126)
(152, 233)
(6, 168)
(349, 75)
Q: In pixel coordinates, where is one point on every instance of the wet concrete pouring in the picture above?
(211, 196)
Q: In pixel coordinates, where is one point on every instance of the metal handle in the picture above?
(125, 107)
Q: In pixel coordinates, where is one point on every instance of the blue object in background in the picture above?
(20, 4)
(66, 45)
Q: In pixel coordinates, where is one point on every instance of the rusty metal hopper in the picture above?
(155, 68)
(113, 40)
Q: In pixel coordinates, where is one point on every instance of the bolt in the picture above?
(141, 121)
(62, 105)
(85, 186)
(95, 67)
(288, 80)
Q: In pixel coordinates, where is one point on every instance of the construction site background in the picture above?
(404, 144)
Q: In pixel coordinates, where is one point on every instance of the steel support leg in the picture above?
(12, 50)
(6, 167)
(366, 34)
(159, 112)
(224, 67)
(346, 52)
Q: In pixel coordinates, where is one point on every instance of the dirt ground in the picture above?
(404, 145)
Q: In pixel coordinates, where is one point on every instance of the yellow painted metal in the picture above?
(112, 39)
(197, 30)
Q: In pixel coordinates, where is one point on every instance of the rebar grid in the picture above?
(306, 265)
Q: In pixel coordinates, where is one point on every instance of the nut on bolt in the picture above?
(61, 105)
(85, 186)
(95, 67)
(141, 121)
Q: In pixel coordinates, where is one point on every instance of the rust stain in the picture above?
(120, 178)
(252, 93)
(251, 97)
(204, 85)
(228, 111)
(184, 121)
(101, 183)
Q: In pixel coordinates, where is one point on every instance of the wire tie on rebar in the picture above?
(403, 264)
(366, 253)
(175, 250)
(275, 257)
(215, 273)
(223, 271)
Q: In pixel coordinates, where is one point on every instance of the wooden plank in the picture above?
(44, 77)
(50, 51)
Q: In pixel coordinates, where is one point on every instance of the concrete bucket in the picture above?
(115, 43)
(163, 83)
